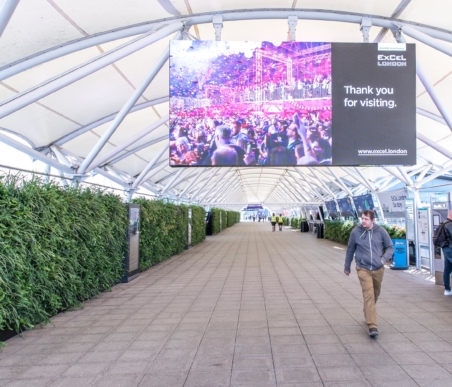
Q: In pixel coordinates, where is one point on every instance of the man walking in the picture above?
(447, 251)
(372, 247)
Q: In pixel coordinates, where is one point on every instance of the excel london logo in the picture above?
(391, 60)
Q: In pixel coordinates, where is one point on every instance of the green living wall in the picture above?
(295, 223)
(59, 246)
(338, 231)
(164, 228)
(228, 219)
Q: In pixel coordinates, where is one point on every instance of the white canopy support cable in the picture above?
(334, 182)
(224, 194)
(310, 186)
(170, 183)
(25, 98)
(366, 180)
(104, 120)
(137, 149)
(339, 180)
(153, 172)
(303, 189)
(220, 178)
(290, 186)
(292, 190)
(209, 180)
(300, 191)
(195, 179)
(322, 182)
(358, 178)
(220, 186)
(125, 110)
(143, 175)
(100, 160)
(176, 182)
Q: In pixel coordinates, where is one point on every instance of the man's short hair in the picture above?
(369, 213)
(223, 132)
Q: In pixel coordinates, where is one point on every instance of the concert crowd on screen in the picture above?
(299, 139)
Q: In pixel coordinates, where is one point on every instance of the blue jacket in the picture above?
(370, 248)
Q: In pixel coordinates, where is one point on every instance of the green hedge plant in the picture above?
(338, 231)
(58, 247)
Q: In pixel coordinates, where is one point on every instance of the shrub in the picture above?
(59, 246)
(338, 231)
(295, 223)
(198, 231)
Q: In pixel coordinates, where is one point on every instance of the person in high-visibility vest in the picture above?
(273, 220)
(280, 222)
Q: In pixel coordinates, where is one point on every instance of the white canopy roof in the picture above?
(67, 67)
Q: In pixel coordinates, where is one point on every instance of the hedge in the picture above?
(164, 229)
(228, 219)
(198, 230)
(295, 223)
(59, 246)
(338, 231)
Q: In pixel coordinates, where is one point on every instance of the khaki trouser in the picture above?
(371, 284)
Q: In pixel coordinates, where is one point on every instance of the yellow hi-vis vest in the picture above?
(273, 218)
(280, 220)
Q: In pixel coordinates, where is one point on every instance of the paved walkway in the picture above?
(247, 307)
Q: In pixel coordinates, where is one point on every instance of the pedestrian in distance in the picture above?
(280, 222)
(273, 220)
(372, 247)
(447, 252)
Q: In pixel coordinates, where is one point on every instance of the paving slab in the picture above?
(247, 307)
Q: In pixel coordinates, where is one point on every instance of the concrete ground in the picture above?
(248, 307)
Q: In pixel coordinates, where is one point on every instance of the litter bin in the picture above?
(319, 230)
(400, 255)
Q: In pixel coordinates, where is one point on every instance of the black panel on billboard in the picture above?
(363, 202)
(374, 104)
(291, 103)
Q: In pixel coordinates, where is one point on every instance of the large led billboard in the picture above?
(292, 103)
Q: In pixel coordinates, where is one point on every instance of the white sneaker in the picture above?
(448, 292)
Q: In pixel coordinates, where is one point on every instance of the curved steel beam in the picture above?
(21, 136)
(202, 18)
